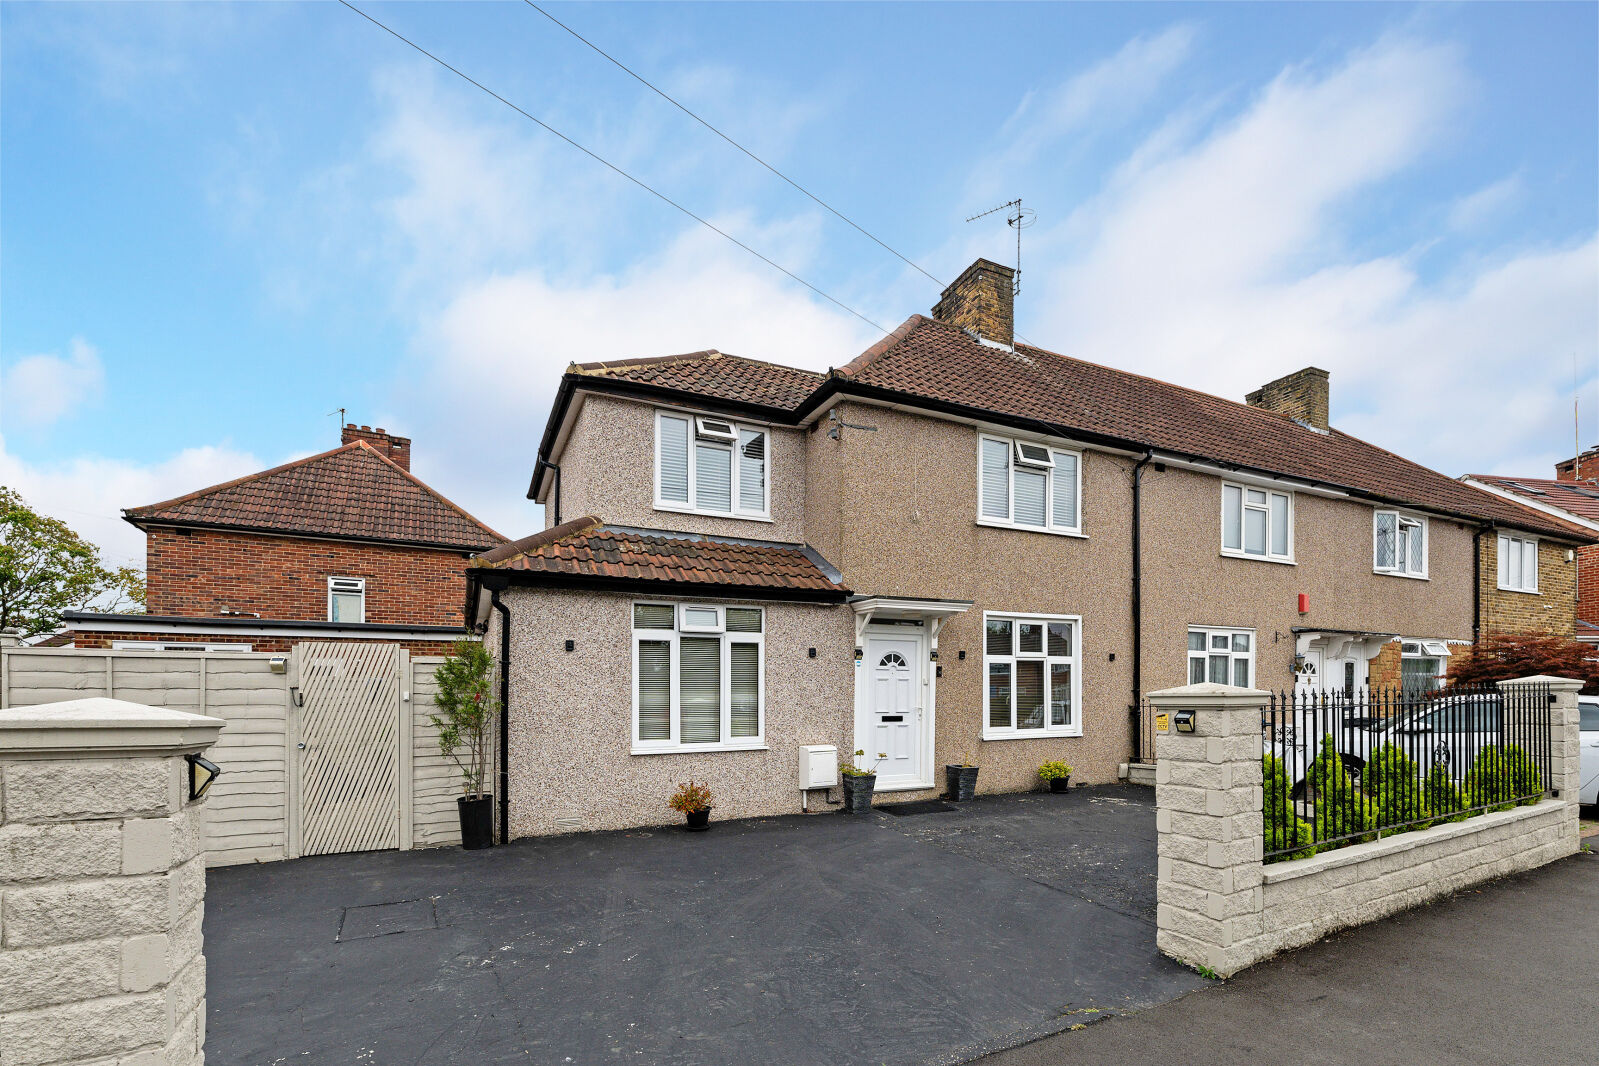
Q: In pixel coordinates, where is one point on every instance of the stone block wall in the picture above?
(102, 883)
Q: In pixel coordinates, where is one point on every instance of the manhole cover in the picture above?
(919, 807)
(381, 919)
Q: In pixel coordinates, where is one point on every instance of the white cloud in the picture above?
(1486, 204)
(88, 492)
(38, 390)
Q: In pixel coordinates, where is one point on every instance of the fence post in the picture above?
(1565, 778)
(1208, 820)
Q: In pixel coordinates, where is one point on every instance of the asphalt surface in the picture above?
(917, 940)
(1505, 973)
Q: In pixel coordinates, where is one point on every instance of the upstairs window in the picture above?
(1399, 544)
(347, 599)
(1518, 563)
(697, 677)
(710, 466)
(1028, 485)
(1257, 523)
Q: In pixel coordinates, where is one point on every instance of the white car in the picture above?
(1588, 723)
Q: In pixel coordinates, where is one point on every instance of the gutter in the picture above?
(505, 714)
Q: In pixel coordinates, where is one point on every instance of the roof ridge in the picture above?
(641, 360)
(130, 513)
(430, 490)
(866, 358)
(517, 549)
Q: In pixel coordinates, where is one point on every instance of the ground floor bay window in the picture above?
(698, 677)
(1033, 682)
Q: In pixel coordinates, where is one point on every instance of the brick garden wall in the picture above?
(203, 572)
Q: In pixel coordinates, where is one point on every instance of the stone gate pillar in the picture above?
(102, 878)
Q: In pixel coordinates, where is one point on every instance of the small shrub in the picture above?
(1053, 770)
(1394, 780)
(1342, 810)
(1499, 776)
(1443, 799)
(1284, 827)
(468, 711)
(690, 797)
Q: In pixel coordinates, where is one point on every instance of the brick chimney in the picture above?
(1584, 467)
(982, 300)
(395, 448)
(1301, 396)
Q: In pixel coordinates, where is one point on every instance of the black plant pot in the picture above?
(477, 821)
(1058, 784)
(960, 782)
(698, 820)
(858, 793)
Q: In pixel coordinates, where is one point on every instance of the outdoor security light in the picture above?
(202, 772)
(1184, 721)
(278, 664)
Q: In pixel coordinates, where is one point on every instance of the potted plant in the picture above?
(960, 779)
(467, 713)
(858, 784)
(1057, 773)
(694, 803)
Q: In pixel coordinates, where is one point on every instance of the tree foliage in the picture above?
(1507, 656)
(46, 568)
(469, 711)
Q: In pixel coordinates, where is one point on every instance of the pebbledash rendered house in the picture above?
(957, 547)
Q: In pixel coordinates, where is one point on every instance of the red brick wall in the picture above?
(1588, 583)
(257, 643)
(203, 572)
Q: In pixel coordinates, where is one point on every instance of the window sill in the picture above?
(1033, 734)
(1227, 553)
(735, 515)
(1524, 592)
(694, 749)
(1396, 573)
(994, 523)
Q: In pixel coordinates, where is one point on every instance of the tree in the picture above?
(46, 568)
(466, 698)
(1507, 656)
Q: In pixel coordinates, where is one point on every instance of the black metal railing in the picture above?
(1345, 767)
(1141, 721)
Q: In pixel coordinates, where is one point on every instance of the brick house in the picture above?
(345, 545)
(956, 547)
(1570, 606)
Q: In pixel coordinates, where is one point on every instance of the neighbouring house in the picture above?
(344, 545)
(1564, 582)
(956, 547)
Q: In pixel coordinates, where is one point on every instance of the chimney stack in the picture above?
(1301, 396)
(1584, 467)
(983, 300)
(395, 448)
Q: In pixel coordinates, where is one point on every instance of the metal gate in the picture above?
(348, 780)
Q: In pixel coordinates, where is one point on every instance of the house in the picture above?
(344, 545)
(1568, 604)
(956, 547)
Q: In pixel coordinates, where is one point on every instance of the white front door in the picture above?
(1308, 679)
(894, 721)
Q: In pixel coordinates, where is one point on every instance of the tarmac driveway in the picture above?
(929, 938)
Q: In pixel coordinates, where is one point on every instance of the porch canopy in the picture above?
(934, 613)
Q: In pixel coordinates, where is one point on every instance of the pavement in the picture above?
(1504, 973)
(926, 939)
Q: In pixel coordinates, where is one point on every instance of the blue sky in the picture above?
(219, 223)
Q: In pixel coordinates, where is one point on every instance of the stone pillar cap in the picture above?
(1208, 692)
(101, 726)
(1559, 684)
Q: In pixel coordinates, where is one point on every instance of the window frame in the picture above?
(361, 581)
(673, 636)
(1049, 473)
(1401, 559)
(1438, 653)
(1244, 507)
(732, 447)
(1528, 542)
(1075, 659)
(1232, 654)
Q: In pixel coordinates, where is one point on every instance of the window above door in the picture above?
(711, 466)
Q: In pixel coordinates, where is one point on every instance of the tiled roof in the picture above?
(713, 373)
(587, 548)
(351, 491)
(1581, 498)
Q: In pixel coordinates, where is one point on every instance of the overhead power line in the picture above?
(618, 170)
(802, 189)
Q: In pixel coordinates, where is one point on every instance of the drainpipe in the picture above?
(505, 713)
(1138, 576)
(1476, 586)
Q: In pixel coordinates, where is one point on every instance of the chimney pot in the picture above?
(982, 301)
(396, 449)
(1301, 396)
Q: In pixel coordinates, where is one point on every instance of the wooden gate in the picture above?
(349, 779)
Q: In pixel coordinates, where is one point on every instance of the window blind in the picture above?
(1030, 488)
(746, 678)
(1065, 490)
(995, 478)
(1029, 694)
(700, 689)
(655, 689)
(751, 470)
(999, 695)
(1060, 694)
(674, 459)
(713, 477)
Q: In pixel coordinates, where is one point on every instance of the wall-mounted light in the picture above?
(961, 654)
(278, 664)
(1184, 721)
(811, 653)
(571, 645)
(202, 772)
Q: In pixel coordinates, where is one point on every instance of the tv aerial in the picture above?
(1017, 218)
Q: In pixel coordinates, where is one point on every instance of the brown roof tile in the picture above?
(352, 491)
(586, 547)
(713, 373)
(1581, 498)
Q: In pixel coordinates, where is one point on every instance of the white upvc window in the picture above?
(1032, 681)
(709, 465)
(1422, 664)
(1257, 523)
(347, 599)
(699, 678)
(1399, 544)
(1518, 563)
(1027, 485)
(1225, 656)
